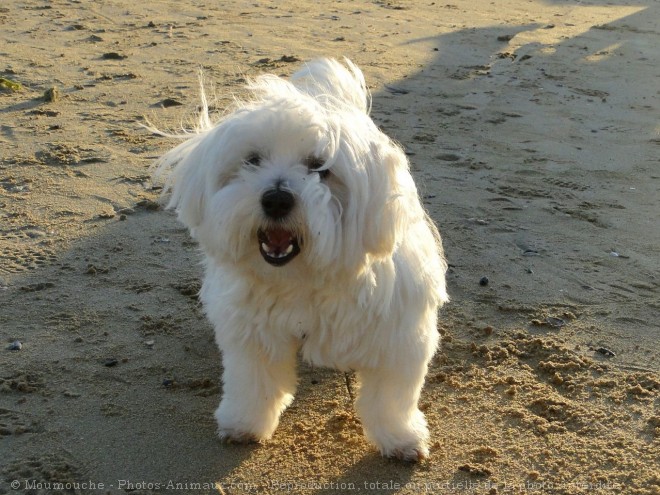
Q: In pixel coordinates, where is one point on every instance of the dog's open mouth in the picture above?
(277, 245)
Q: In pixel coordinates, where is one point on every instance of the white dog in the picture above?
(315, 240)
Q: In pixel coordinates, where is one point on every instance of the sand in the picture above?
(532, 130)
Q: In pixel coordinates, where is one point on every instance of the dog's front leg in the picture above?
(257, 388)
(387, 405)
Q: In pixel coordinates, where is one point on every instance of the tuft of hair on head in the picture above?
(333, 83)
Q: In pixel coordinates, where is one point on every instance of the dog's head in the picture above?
(297, 173)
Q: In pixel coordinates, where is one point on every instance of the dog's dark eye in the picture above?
(314, 164)
(253, 159)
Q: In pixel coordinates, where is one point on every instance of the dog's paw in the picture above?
(408, 454)
(228, 435)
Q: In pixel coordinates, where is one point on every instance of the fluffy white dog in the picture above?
(315, 240)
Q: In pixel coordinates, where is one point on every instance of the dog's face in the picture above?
(294, 177)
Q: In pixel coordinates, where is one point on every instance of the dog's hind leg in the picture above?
(256, 391)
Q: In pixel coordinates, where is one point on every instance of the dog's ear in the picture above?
(334, 84)
(188, 180)
(190, 176)
(387, 212)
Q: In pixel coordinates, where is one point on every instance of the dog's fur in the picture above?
(315, 240)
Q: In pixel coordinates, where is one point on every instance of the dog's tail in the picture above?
(334, 83)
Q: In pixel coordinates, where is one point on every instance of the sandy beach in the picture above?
(533, 134)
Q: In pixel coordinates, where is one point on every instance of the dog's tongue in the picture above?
(279, 239)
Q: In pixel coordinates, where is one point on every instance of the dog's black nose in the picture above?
(277, 203)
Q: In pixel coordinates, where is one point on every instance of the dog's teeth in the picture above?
(274, 252)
